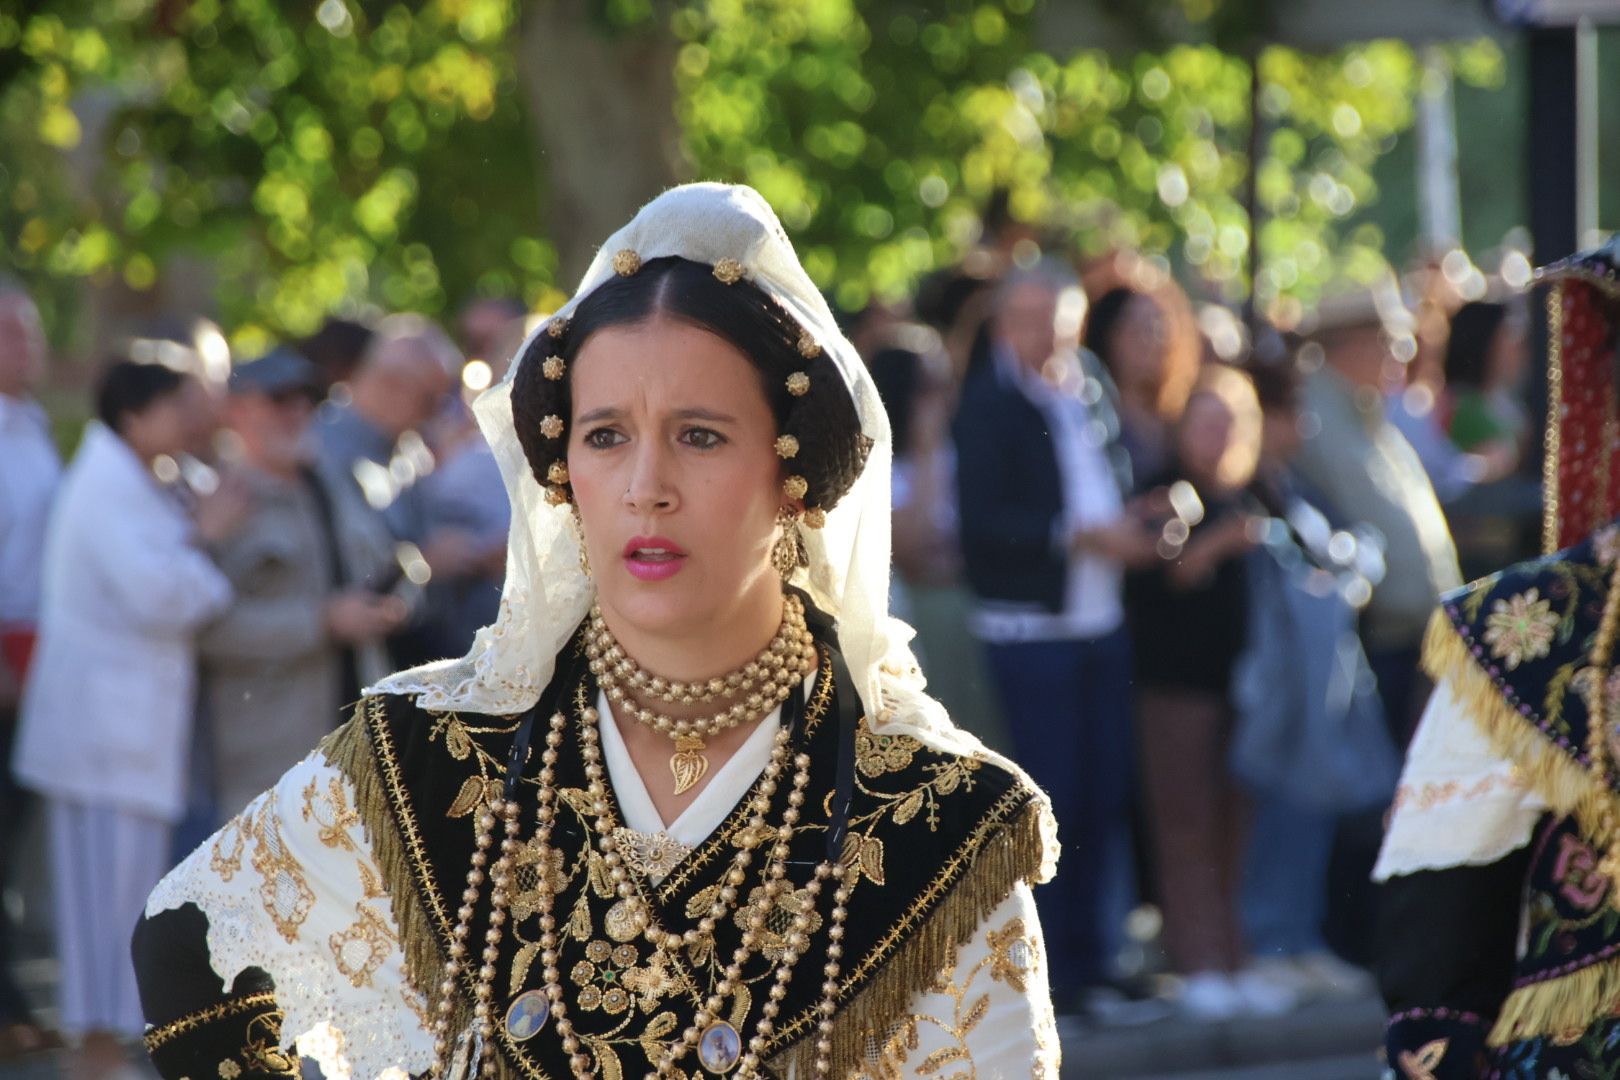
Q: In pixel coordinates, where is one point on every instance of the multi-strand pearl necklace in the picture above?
(539, 1006)
(775, 671)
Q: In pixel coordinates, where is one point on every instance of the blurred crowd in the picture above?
(1177, 565)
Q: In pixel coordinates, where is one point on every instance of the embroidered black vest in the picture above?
(934, 841)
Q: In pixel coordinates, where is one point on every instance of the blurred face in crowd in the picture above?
(163, 426)
(1510, 355)
(400, 386)
(273, 428)
(672, 461)
(1361, 354)
(1026, 322)
(1138, 343)
(1219, 439)
(22, 344)
(484, 326)
(203, 405)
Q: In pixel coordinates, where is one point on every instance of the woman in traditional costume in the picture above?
(1501, 914)
(684, 809)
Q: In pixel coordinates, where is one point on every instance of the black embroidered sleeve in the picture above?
(1446, 964)
(199, 1031)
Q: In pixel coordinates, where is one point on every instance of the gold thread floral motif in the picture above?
(1521, 628)
(1012, 955)
(728, 271)
(283, 890)
(361, 949)
(227, 861)
(339, 816)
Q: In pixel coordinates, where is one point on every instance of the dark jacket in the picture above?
(1010, 489)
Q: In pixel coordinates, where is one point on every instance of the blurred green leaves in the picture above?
(332, 154)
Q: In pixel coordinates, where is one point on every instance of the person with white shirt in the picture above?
(29, 472)
(107, 712)
(1046, 536)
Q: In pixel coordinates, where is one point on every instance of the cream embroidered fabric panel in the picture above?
(988, 1015)
(1458, 803)
(270, 883)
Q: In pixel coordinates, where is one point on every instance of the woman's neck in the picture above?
(728, 644)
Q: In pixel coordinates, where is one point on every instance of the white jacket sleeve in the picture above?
(1459, 803)
(988, 1014)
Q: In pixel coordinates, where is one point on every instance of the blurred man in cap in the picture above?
(312, 568)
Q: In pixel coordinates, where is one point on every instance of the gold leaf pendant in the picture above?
(688, 763)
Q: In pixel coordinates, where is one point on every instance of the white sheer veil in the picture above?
(547, 595)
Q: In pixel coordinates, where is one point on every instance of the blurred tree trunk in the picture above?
(602, 99)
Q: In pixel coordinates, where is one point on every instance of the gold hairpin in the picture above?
(728, 271)
(786, 446)
(551, 426)
(798, 384)
(626, 262)
(795, 487)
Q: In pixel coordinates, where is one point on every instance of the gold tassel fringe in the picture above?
(1012, 852)
(1566, 1003)
(1563, 1007)
(1549, 771)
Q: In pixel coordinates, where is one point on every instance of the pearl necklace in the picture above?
(775, 883)
(776, 670)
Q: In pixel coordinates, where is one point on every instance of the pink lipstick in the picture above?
(653, 558)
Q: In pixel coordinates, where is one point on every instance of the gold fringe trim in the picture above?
(373, 771)
(1551, 773)
(997, 858)
(1566, 1003)
(1560, 1007)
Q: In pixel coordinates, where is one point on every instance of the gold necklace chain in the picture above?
(778, 668)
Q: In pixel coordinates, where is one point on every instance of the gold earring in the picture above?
(584, 556)
(786, 555)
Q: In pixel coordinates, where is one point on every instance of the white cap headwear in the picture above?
(547, 595)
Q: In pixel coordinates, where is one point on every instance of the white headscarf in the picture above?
(547, 594)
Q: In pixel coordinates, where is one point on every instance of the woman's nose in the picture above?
(649, 486)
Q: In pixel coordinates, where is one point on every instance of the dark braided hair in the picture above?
(832, 450)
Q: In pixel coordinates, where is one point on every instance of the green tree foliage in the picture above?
(337, 153)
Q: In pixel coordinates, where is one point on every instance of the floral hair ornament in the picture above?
(786, 447)
(795, 487)
(814, 517)
(557, 327)
(552, 426)
(553, 368)
(558, 473)
(556, 495)
(728, 271)
(798, 384)
(626, 262)
(808, 346)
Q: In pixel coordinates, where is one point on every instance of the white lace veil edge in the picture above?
(547, 594)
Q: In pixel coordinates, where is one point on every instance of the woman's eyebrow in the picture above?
(693, 412)
(699, 413)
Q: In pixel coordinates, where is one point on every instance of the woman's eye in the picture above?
(702, 438)
(602, 438)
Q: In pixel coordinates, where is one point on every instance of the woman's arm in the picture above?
(1453, 868)
(989, 1012)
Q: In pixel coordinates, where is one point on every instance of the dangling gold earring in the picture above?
(584, 556)
(785, 554)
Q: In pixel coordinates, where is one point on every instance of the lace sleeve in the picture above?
(1459, 803)
(290, 887)
(988, 1012)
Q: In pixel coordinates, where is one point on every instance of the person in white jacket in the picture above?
(107, 713)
